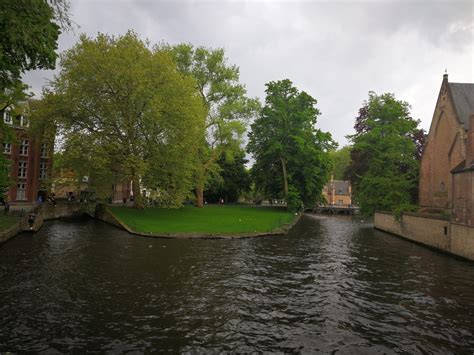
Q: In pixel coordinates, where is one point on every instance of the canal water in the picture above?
(332, 285)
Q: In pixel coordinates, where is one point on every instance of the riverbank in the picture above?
(212, 221)
(434, 231)
(6, 222)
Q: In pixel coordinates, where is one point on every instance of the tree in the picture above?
(291, 154)
(131, 111)
(226, 103)
(340, 160)
(29, 39)
(385, 157)
(232, 181)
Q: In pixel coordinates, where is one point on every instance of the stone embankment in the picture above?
(101, 212)
(431, 230)
(46, 212)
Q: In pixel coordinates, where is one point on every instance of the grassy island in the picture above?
(7, 221)
(211, 219)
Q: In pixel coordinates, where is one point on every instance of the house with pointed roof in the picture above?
(445, 149)
(338, 193)
(446, 164)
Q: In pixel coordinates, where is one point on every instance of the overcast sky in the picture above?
(337, 51)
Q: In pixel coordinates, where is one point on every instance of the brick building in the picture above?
(447, 158)
(338, 193)
(31, 160)
(463, 182)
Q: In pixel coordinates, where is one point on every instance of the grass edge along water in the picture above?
(211, 219)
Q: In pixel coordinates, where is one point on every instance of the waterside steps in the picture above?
(343, 210)
(38, 219)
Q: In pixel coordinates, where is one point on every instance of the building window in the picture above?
(44, 150)
(7, 148)
(22, 169)
(7, 117)
(43, 171)
(24, 122)
(24, 147)
(21, 192)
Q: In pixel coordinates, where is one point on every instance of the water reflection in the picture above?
(331, 285)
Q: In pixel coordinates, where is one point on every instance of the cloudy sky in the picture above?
(337, 51)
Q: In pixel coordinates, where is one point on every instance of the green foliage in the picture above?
(232, 181)
(219, 220)
(4, 176)
(7, 222)
(125, 111)
(291, 155)
(224, 97)
(388, 172)
(340, 159)
(399, 210)
(28, 41)
(293, 200)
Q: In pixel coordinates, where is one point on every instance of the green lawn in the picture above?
(7, 221)
(216, 219)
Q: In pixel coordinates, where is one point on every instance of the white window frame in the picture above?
(24, 147)
(7, 117)
(21, 191)
(22, 169)
(24, 121)
(7, 148)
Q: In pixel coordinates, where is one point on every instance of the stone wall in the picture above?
(67, 209)
(462, 240)
(431, 230)
(103, 214)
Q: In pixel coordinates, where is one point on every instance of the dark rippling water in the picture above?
(331, 285)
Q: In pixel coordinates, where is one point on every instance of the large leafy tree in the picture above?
(340, 160)
(387, 147)
(232, 181)
(291, 154)
(131, 111)
(28, 41)
(227, 106)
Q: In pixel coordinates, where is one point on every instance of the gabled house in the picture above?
(446, 144)
(338, 193)
(445, 174)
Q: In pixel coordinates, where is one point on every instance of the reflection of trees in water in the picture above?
(329, 284)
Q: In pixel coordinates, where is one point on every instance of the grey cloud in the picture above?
(335, 50)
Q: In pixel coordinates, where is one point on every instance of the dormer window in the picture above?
(7, 117)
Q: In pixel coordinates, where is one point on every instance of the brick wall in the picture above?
(32, 181)
(445, 150)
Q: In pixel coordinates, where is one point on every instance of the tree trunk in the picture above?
(137, 195)
(199, 195)
(285, 177)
